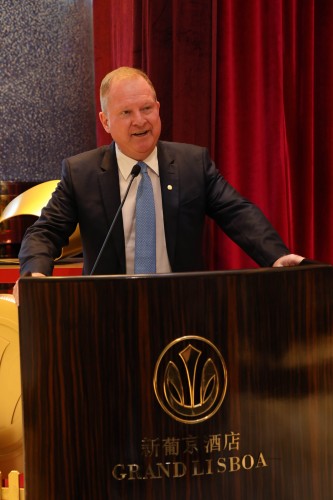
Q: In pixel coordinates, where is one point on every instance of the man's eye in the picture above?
(125, 112)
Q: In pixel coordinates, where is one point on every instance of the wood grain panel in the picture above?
(89, 347)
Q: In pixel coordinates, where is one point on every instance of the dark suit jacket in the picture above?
(88, 194)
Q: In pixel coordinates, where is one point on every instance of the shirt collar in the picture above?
(125, 163)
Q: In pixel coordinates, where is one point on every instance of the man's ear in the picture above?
(104, 121)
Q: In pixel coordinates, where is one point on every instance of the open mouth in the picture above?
(140, 134)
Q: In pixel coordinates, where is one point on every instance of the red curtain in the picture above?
(251, 80)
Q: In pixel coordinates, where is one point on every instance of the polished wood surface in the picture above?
(89, 347)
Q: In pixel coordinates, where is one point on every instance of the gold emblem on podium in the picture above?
(190, 379)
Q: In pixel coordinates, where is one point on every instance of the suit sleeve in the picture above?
(43, 241)
(241, 220)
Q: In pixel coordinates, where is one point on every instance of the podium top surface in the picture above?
(255, 271)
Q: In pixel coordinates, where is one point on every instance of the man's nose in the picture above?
(138, 118)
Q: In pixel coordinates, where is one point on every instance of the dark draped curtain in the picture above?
(252, 80)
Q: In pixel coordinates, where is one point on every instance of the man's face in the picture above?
(132, 117)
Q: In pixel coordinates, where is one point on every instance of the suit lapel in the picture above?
(110, 194)
(169, 178)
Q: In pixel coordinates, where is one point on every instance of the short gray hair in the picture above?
(122, 73)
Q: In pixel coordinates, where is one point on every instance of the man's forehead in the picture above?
(131, 98)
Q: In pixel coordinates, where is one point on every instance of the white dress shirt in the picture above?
(125, 165)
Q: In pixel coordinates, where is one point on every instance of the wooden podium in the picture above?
(179, 387)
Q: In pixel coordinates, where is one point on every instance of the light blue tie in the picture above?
(145, 224)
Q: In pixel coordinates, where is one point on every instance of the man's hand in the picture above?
(16, 287)
(288, 260)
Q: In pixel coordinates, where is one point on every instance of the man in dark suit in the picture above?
(186, 186)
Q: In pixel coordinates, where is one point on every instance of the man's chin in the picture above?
(141, 151)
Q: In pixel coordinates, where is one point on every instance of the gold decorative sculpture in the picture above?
(11, 433)
(31, 202)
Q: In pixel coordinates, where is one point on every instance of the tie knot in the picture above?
(143, 167)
